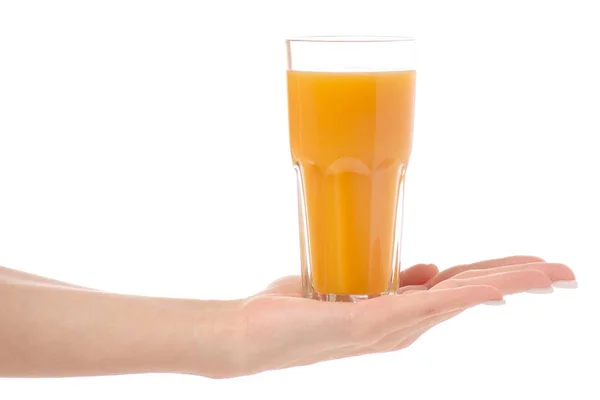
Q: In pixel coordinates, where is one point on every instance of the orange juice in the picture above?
(351, 138)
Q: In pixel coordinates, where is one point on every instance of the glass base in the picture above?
(341, 298)
(342, 247)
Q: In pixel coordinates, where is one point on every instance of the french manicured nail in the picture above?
(495, 302)
(541, 290)
(565, 284)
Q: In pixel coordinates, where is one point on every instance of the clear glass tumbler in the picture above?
(350, 110)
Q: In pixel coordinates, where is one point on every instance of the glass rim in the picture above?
(350, 39)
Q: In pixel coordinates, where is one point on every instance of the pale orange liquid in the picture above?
(351, 138)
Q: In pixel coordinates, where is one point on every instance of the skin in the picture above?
(50, 328)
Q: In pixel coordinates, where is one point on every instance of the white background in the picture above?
(144, 149)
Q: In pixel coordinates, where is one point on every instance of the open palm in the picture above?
(283, 330)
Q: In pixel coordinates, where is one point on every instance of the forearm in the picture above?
(52, 331)
(13, 275)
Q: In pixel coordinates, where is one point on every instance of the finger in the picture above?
(287, 286)
(499, 262)
(388, 313)
(418, 274)
(507, 282)
(554, 271)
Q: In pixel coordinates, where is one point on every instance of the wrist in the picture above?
(199, 337)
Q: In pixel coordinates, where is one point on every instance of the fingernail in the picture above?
(541, 290)
(495, 302)
(565, 284)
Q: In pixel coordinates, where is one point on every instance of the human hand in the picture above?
(52, 329)
(281, 329)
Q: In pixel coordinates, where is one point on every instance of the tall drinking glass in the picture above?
(350, 109)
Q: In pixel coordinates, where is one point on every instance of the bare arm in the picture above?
(13, 275)
(52, 329)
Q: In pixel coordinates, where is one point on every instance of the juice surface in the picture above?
(351, 138)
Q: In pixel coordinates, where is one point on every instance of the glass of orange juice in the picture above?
(350, 110)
